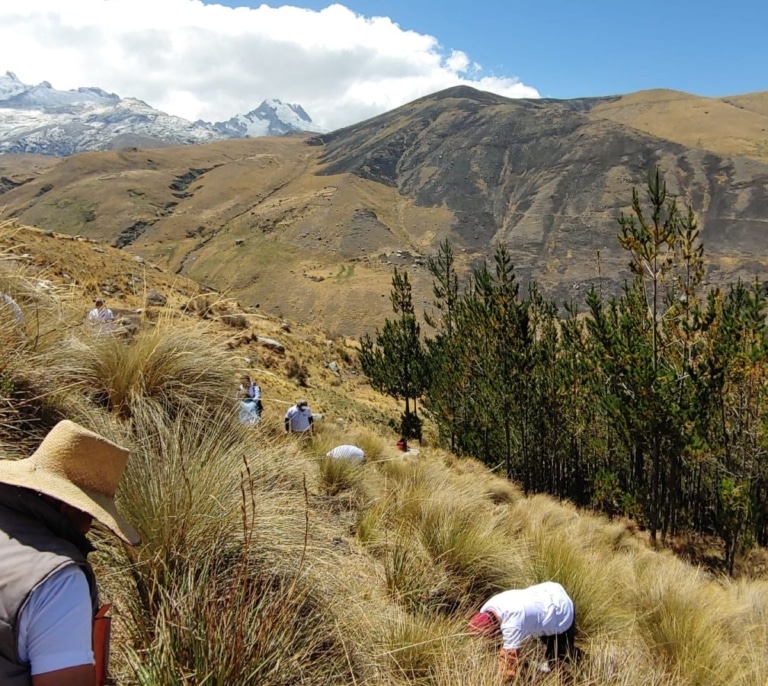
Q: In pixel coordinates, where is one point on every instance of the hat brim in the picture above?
(101, 507)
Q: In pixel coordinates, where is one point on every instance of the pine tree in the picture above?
(448, 376)
(395, 361)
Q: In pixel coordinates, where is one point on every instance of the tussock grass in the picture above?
(412, 580)
(27, 409)
(687, 619)
(473, 549)
(339, 474)
(599, 598)
(221, 588)
(415, 646)
(264, 563)
(173, 366)
(239, 580)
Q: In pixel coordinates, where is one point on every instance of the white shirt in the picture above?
(541, 610)
(349, 452)
(249, 412)
(298, 418)
(56, 623)
(100, 316)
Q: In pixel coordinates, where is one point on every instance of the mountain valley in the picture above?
(308, 227)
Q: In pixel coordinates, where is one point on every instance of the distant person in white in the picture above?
(543, 611)
(251, 406)
(7, 301)
(298, 419)
(100, 317)
(347, 452)
(249, 389)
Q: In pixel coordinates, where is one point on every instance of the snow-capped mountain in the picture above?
(41, 119)
(271, 118)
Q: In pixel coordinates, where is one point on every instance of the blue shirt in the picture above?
(56, 623)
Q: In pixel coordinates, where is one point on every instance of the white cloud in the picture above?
(211, 62)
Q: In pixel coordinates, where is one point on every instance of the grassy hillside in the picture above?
(727, 126)
(264, 562)
(754, 102)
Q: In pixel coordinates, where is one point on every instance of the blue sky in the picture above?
(572, 48)
(347, 62)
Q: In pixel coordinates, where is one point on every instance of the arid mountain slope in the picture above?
(309, 228)
(754, 102)
(77, 269)
(549, 179)
(726, 126)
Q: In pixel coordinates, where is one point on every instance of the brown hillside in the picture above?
(300, 366)
(309, 228)
(724, 126)
(754, 102)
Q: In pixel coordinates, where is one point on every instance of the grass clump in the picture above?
(339, 474)
(415, 646)
(34, 321)
(172, 366)
(220, 586)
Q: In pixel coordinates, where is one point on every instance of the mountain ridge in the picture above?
(310, 226)
(41, 119)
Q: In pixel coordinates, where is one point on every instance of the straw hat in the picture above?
(79, 468)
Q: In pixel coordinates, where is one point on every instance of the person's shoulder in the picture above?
(55, 623)
(65, 588)
(68, 574)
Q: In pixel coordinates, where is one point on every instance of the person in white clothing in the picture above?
(298, 418)
(543, 611)
(251, 407)
(100, 317)
(347, 452)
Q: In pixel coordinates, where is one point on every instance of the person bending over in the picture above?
(542, 611)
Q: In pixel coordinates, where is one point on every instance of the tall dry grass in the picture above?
(240, 578)
(27, 406)
(222, 589)
(263, 563)
(172, 365)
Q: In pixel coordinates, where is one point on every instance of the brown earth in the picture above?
(309, 228)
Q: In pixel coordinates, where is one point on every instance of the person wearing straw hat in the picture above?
(52, 632)
(544, 611)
